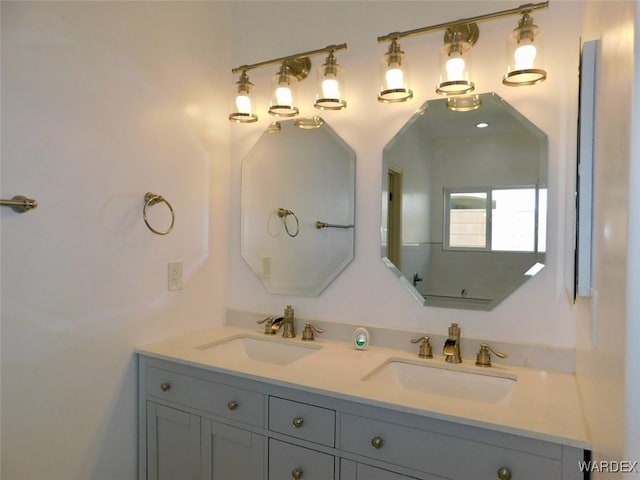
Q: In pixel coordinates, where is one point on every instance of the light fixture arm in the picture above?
(327, 49)
(526, 8)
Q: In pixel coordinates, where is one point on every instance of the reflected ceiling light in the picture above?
(464, 103)
(524, 66)
(534, 270)
(243, 104)
(292, 69)
(482, 125)
(395, 76)
(330, 80)
(460, 35)
(456, 58)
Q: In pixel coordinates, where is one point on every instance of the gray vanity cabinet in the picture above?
(288, 461)
(200, 424)
(230, 452)
(173, 443)
(350, 470)
(197, 429)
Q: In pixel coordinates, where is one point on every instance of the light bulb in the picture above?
(455, 68)
(243, 104)
(330, 88)
(525, 56)
(394, 78)
(284, 96)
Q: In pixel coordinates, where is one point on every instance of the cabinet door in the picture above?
(350, 470)
(231, 453)
(287, 461)
(173, 444)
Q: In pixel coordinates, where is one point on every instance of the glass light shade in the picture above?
(455, 69)
(284, 88)
(394, 73)
(242, 109)
(525, 55)
(330, 86)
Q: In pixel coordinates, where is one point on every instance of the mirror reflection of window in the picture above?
(542, 220)
(497, 219)
(513, 220)
(468, 220)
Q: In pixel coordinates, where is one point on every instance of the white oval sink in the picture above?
(273, 351)
(469, 383)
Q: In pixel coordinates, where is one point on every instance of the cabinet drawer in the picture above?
(223, 400)
(289, 461)
(439, 454)
(301, 420)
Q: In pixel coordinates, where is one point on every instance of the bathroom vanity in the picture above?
(235, 404)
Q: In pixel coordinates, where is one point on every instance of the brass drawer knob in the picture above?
(504, 474)
(377, 442)
(165, 386)
(298, 421)
(232, 404)
(297, 473)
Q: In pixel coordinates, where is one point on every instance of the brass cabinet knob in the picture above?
(377, 442)
(298, 421)
(232, 404)
(297, 473)
(504, 474)
(165, 387)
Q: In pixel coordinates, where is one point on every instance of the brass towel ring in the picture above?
(152, 199)
(283, 213)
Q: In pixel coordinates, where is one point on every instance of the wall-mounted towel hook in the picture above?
(152, 199)
(19, 204)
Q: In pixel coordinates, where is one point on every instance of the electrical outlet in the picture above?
(175, 276)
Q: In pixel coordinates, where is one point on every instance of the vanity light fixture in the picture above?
(395, 76)
(330, 79)
(460, 35)
(284, 90)
(455, 59)
(243, 111)
(308, 123)
(524, 66)
(292, 70)
(464, 103)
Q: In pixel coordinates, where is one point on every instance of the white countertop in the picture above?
(542, 404)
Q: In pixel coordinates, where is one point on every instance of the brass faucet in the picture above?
(289, 329)
(451, 349)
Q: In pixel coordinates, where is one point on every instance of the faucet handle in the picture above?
(425, 346)
(268, 323)
(309, 328)
(483, 358)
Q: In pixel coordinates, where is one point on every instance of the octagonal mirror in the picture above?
(464, 203)
(298, 194)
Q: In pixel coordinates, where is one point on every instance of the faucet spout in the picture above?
(276, 324)
(451, 348)
(289, 330)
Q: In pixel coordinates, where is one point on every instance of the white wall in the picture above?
(366, 292)
(608, 365)
(102, 102)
